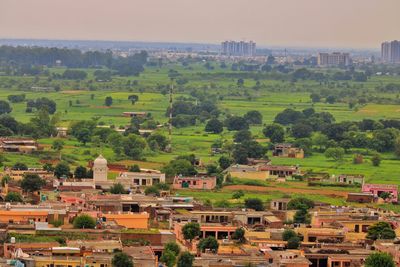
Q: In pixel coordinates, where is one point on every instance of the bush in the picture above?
(254, 203)
(13, 197)
(209, 243)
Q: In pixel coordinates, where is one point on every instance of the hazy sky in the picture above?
(346, 23)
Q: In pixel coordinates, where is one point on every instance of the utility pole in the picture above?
(171, 91)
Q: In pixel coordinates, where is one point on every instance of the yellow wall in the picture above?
(131, 220)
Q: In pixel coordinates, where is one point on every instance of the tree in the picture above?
(20, 166)
(121, 259)
(301, 215)
(253, 117)
(254, 203)
(275, 133)
(152, 190)
(381, 230)
(376, 160)
(214, 126)
(288, 234)
(157, 141)
(169, 258)
(379, 259)
(117, 188)
(300, 202)
(237, 194)
(80, 172)
(172, 246)
(133, 99)
(288, 116)
(185, 260)
(239, 235)
(13, 197)
(83, 135)
(236, 123)
(133, 146)
(32, 183)
(224, 162)
(84, 221)
(240, 82)
(191, 230)
(301, 130)
(5, 107)
(242, 136)
(134, 168)
(108, 101)
(62, 169)
(293, 242)
(335, 153)
(270, 60)
(179, 167)
(58, 145)
(209, 243)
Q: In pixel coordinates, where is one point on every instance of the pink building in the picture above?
(378, 189)
(195, 182)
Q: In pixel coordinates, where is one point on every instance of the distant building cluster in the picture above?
(390, 52)
(242, 48)
(334, 59)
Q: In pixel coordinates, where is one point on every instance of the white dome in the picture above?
(100, 160)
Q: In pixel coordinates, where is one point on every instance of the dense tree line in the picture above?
(32, 58)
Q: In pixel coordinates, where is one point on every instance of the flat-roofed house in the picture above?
(195, 182)
(129, 220)
(378, 189)
(356, 179)
(21, 145)
(19, 174)
(134, 114)
(287, 151)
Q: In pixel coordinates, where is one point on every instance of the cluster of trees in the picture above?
(320, 132)
(172, 255)
(41, 103)
(30, 57)
(186, 113)
(234, 123)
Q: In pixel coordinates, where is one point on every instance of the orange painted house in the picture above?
(23, 216)
(130, 220)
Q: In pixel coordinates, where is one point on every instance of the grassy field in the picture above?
(77, 102)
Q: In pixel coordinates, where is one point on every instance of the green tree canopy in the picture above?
(379, 259)
(62, 169)
(209, 243)
(32, 182)
(13, 197)
(191, 230)
(84, 221)
(117, 188)
(254, 203)
(185, 260)
(381, 230)
(121, 259)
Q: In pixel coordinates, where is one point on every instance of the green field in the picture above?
(77, 101)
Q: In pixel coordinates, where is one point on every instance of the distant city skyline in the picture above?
(292, 23)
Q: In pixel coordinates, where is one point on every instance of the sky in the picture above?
(306, 23)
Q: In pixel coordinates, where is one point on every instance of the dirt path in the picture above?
(319, 191)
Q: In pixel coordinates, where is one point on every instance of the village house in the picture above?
(378, 189)
(21, 145)
(279, 204)
(360, 197)
(351, 179)
(275, 171)
(195, 182)
(128, 220)
(130, 180)
(246, 171)
(287, 151)
(17, 175)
